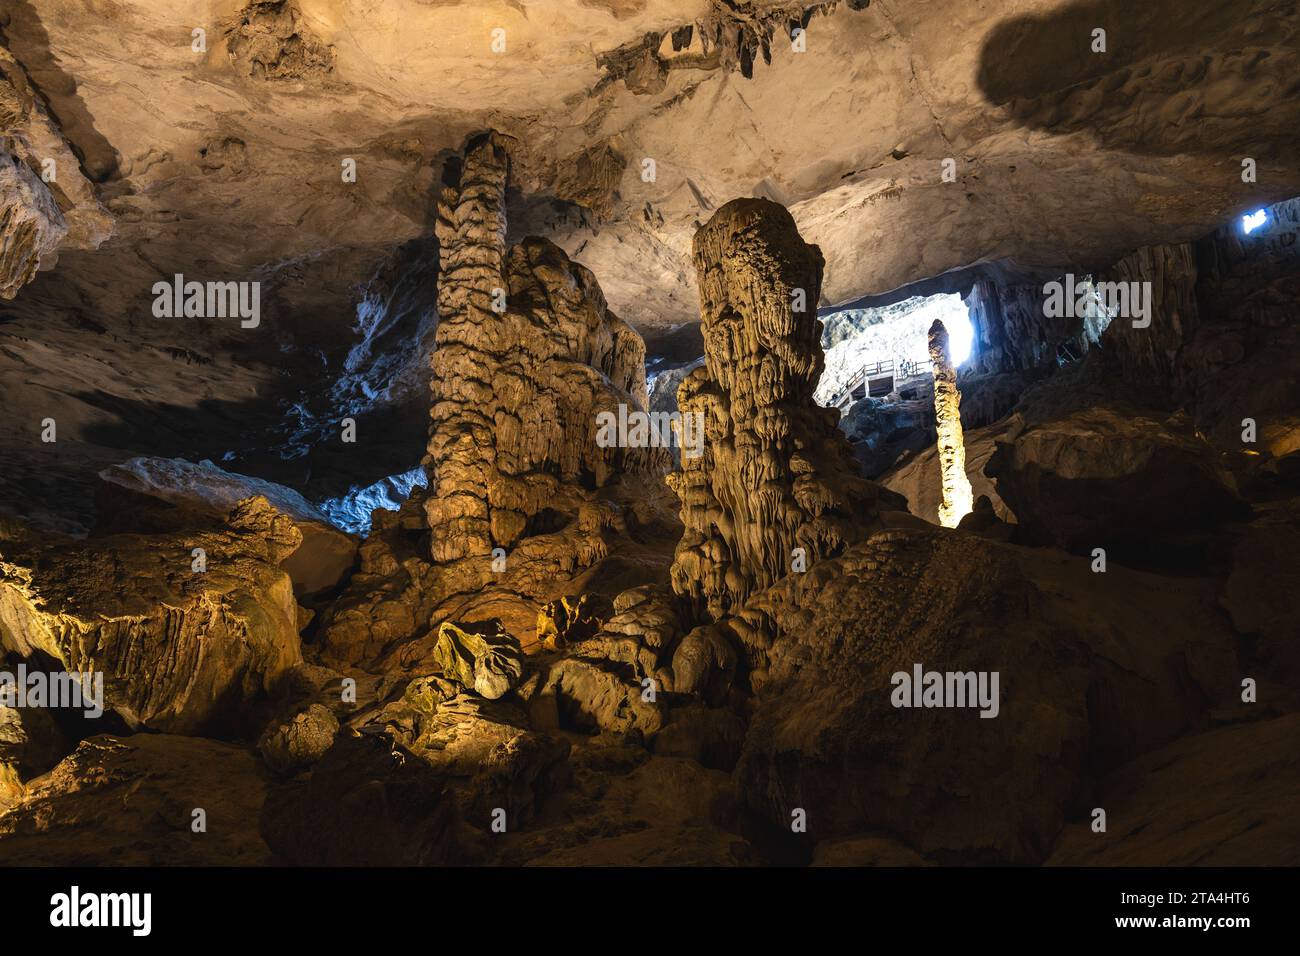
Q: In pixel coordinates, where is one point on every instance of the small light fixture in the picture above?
(1252, 221)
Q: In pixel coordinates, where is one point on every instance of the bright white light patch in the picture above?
(951, 311)
(960, 333)
(1252, 221)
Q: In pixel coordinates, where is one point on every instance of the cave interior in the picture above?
(650, 432)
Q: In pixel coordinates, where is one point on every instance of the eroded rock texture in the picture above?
(270, 40)
(729, 36)
(180, 649)
(775, 474)
(31, 226)
(484, 659)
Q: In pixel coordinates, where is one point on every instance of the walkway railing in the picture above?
(906, 368)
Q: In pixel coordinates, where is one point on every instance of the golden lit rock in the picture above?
(957, 500)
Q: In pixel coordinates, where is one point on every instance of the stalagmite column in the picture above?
(526, 355)
(775, 488)
(471, 234)
(947, 414)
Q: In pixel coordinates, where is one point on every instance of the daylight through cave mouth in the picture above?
(883, 351)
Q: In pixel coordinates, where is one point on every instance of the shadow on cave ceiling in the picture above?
(1153, 91)
(23, 33)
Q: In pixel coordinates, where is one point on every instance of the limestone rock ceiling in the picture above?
(228, 161)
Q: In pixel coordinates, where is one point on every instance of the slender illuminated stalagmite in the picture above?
(947, 415)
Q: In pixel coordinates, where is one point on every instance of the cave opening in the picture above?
(882, 352)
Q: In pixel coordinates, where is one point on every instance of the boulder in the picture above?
(645, 615)
(1092, 670)
(295, 743)
(591, 696)
(181, 649)
(704, 663)
(1111, 478)
(481, 657)
(167, 494)
(133, 801)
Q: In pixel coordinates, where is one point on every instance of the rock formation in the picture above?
(45, 199)
(184, 627)
(30, 744)
(471, 280)
(952, 448)
(1075, 698)
(32, 225)
(157, 494)
(1073, 479)
(483, 658)
(521, 497)
(526, 354)
(130, 801)
(547, 648)
(775, 475)
(269, 40)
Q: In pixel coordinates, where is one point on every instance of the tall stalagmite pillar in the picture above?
(775, 488)
(957, 501)
(471, 234)
(526, 356)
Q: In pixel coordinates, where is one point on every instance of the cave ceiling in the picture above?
(228, 160)
(215, 141)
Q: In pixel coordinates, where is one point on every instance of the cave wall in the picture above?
(1223, 339)
(1013, 331)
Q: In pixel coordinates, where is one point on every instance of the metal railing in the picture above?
(906, 368)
